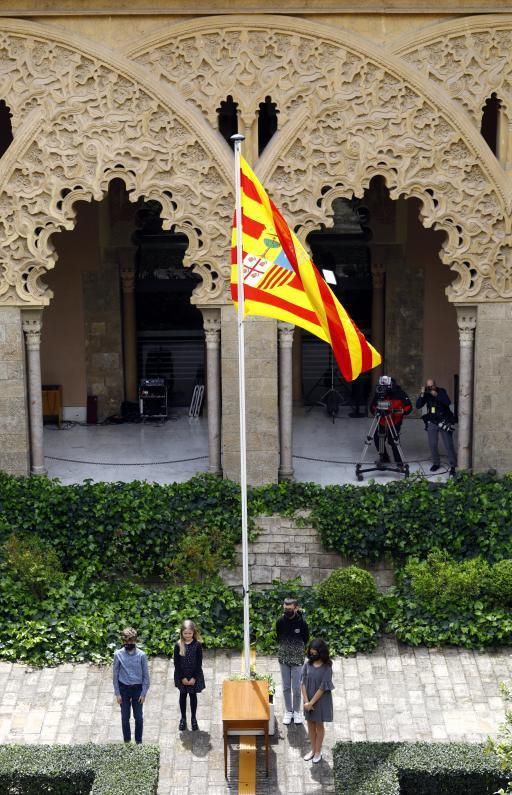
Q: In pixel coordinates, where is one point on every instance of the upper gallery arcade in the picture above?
(116, 170)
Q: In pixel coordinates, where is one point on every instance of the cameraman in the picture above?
(439, 419)
(398, 406)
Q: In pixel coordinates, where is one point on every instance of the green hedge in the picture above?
(79, 622)
(133, 528)
(468, 515)
(191, 528)
(415, 769)
(443, 601)
(80, 769)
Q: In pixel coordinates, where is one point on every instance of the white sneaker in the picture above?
(317, 758)
(287, 718)
(298, 717)
(309, 756)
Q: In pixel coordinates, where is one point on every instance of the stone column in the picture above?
(211, 323)
(127, 272)
(285, 331)
(378, 277)
(14, 426)
(248, 126)
(32, 325)
(466, 321)
(262, 411)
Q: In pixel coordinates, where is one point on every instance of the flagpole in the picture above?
(237, 140)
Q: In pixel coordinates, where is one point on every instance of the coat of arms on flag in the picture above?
(281, 281)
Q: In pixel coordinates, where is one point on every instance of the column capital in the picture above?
(32, 323)
(127, 273)
(378, 274)
(285, 334)
(466, 322)
(211, 325)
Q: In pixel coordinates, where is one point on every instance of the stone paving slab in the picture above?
(395, 693)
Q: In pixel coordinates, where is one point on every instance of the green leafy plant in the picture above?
(257, 678)
(441, 600)
(501, 747)
(350, 588)
(33, 562)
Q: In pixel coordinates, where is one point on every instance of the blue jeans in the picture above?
(130, 695)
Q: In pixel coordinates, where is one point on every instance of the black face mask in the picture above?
(289, 613)
(312, 656)
(129, 646)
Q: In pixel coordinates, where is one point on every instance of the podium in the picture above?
(245, 710)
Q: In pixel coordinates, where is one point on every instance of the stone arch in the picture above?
(84, 117)
(352, 111)
(467, 58)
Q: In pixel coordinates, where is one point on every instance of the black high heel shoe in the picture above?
(183, 725)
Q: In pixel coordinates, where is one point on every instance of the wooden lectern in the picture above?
(246, 709)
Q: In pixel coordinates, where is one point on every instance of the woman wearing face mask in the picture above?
(131, 682)
(317, 696)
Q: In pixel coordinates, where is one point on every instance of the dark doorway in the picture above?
(170, 338)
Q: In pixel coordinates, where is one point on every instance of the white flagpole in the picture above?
(237, 140)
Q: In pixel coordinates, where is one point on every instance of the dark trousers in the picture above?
(130, 695)
(387, 437)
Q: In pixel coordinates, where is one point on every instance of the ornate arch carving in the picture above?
(82, 120)
(351, 111)
(468, 58)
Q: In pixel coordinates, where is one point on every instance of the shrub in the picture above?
(468, 516)
(500, 582)
(440, 601)
(345, 629)
(80, 769)
(200, 554)
(33, 562)
(350, 588)
(440, 583)
(501, 747)
(415, 769)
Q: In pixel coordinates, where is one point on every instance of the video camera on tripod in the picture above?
(382, 390)
(382, 427)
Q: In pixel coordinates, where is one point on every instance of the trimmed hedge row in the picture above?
(415, 769)
(80, 769)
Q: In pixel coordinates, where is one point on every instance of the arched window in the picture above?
(267, 123)
(490, 118)
(5, 127)
(228, 119)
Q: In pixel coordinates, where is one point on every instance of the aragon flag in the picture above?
(281, 281)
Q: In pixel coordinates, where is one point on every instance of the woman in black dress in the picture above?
(188, 671)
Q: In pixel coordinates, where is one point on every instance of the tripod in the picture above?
(332, 398)
(383, 431)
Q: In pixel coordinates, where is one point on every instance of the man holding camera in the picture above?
(391, 404)
(439, 419)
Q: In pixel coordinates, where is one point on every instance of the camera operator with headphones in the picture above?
(439, 419)
(390, 401)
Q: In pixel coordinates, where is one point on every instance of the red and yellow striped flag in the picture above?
(281, 281)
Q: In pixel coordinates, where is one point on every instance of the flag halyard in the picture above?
(281, 281)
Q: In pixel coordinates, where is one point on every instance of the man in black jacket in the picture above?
(292, 634)
(439, 419)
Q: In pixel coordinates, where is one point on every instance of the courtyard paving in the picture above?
(395, 693)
